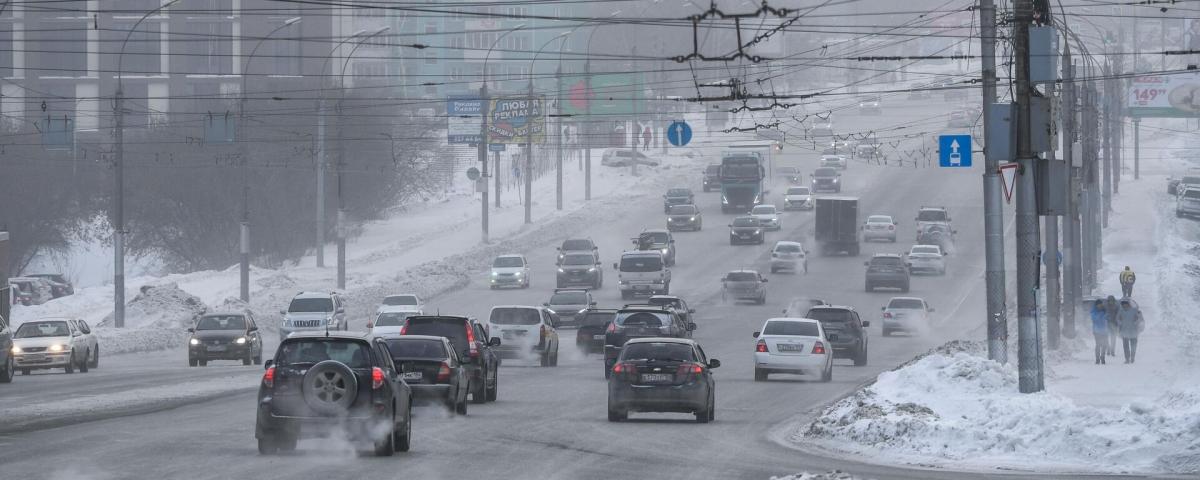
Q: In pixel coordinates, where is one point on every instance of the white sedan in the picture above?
(927, 258)
(792, 345)
(906, 314)
(879, 227)
(767, 216)
(789, 256)
(798, 198)
(390, 320)
(834, 161)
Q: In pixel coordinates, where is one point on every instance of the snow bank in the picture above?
(834, 475)
(962, 410)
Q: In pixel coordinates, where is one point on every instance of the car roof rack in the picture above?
(571, 289)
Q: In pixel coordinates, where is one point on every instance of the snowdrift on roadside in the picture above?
(964, 411)
(834, 475)
(156, 319)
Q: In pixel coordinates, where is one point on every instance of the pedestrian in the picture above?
(1130, 324)
(646, 138)
(1100, 329)
(1111, 309)
(1127, 279)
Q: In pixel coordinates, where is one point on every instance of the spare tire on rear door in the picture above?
(329, 387)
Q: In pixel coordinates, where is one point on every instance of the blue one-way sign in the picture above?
(679, 133)
(954, 150)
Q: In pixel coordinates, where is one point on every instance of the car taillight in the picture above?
(404, 329)
(619, 368)
(443, 373)
(269, 378)
(887, 314)
(818, 348)
(473, 348)
(612, 328)
(761, 347)
(376, 378)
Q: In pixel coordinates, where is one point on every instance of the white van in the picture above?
(643, 272)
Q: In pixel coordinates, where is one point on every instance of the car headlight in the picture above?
(240, 341)
(57, 348)
(561, 271)
(518, 274)
(551, 310)
(757, 231)
(495, 274)
(194, 341)
(593, 269)
(16, 349)
(664, 251)
(835, 180)
(692, 219)
(581, 311)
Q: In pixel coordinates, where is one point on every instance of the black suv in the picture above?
(326, 384)
(746, 229)
(844, 330)
(225, 336)
(887, 270)
(712, 177)
(590, 336)
(6, 345)
(677, 196)
(641, 321)
(471, 342)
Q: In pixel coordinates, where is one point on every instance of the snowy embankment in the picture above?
(834, 475)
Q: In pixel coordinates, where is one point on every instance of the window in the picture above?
(458, 41)
(392, 319)
(142, 53)
(456, 73)
(403, 348)
(907, 303)
(568, 298)
(311, 305)
(804, 329)
(221, 322)
(58, 48)
(353, 353)
(400, 300)
(212, 43)
(368, 69)
(641, 263)
(286, 54)
(6, 54)
(514, 316)
(677, 352)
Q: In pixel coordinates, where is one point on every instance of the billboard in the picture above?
(517, 120)
(1165, 96)
(611, 94)
(463, 120)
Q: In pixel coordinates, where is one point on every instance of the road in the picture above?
(550, 422)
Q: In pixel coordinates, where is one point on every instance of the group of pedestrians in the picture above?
(1112, 318)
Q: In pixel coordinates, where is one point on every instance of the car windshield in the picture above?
(598, 319)
(568, 298)
(825, 172)
(887, 261)
(308, 351)
(931, 216)
(642, 319)
(578, 260)
(712, 169)
(577, 244)
(43, 329)
(663, 352)
(879, 219)
(830, 315)
(515, 316)
(416, 348)
(506, 262)
(788, 248)
(906, 303)
(392, 319)
(223, 322)
(654, 237)
(1190, 181)
(641, 263)
(393, 300)
(742, 276)
(1191, 193)
(763, 210)
(683, 210)
(925, 249)
(678, 192)
(301, 305)
(745, 222)
(797, 191)
(787, 327)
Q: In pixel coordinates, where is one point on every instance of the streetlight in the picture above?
(529, 136)
(243, 141)
(119, 182)
(484, 138)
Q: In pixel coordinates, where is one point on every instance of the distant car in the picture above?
(6, 352)
(906, 314)
(478, 353)
(29, 291)
(314, 311)
(326, 384)
(837, 147)
(792, 345)
(712, 177)
(625, 158)
(768, 216)
(578, 245)
(1188, 203)
(879, 227)
(510, 270)
(431, 368)
(641, 321)
(225, 336)
(870, 106)
(799, 307)
(746, 229)
(887, 270)
(918, 91)
(834, 161)
(59, 285)
(390, 322)
(798, 198)
(868, 152)
(660, 240)
(589, 338)
(1186, 181)
(846, 331)
(824, 129)
(826, 179)
(788, 174)
(960, 119)
(744, 285)
(579, 270)
(677, 196)
(675, 303)
(569, 304)
(663, 375)
(405, 302)
(931, 216)
(927, 259)
(52, 343)
(525, 331)
(789, 256)
(684, 217)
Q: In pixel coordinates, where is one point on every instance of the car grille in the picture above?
(33, 349)
(306, 323)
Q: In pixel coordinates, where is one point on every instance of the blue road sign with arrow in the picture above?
(679, 133)
(954, 150)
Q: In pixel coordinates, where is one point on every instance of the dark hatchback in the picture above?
(590, 336)
(677, 196)
(225, 336)
(431, 369)
(580, 270)
(663, 375)
(826, 179)
(846, 332)
(746, 230)
(333, 384)
(712, 177)
(641, 321)
(471, 343)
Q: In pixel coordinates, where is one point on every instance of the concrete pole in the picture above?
(1070, 249)
(1106, 131)
(1028, 235)
(997, 315)
(496, 181)
(321, 181)
(586, 129)
(528, 173)
(1137, 146)
(635, 129)
(118, 220)
(483, 140)
(558, 130)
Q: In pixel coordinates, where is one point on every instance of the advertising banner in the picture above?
(1165, 96)
(517, 120)
(463, 120)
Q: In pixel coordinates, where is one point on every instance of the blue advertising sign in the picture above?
(463, 120)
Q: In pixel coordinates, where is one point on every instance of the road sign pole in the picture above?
(528, 173)
(1137, 146)
(993, 209)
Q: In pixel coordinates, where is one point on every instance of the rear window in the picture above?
(670, 302)
(677, 352)
(392, 319)
(678, 192)
(641, 263)
(598, 319)
(784, 327)
(742, 277)
(221, 322)
(452, 328)
(642, 319)
(1190, 180)
(788, 248)
(887, 261)
(656, 237)
(400, 300)
(879, 219)
(763, 210)
(830, 315)
(906, 303)
(683, 209)
(515, 316)
(416, 348)
(577, 245)
(712, 169)
(931, 216)
(308, 351)
(797, 191)
(568, 298)
(930, 249)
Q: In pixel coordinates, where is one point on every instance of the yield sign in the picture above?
(1008, 179)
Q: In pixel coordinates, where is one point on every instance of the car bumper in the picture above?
(798, 205)
(432, 392)
(772, 225)
(746, 238)
(744, 294)
(870, 235)
(682, 224)
(284, 331)
(33, 361)
(584, 280)
(231, 351)
(1187, 210)
(803, 364)
(824, 187)
(686, 398)
(927, 268)
(520, 350)
(501, 281)
(903, 325)
(641, 287)
(784, 264)
(360, 425)
(888, 281)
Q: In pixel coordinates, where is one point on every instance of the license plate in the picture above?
(509, 334)
(656, 377)
(34, 357)
(641, 287)
(216, 348)
(790, 347)
(597, 337)
(412, 376)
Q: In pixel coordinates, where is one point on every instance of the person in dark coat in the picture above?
(1100, 329)
(1111, 308)
(1129, 324)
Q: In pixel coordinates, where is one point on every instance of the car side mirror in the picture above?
(494, 342)
(866, 323)
(883, 309)
(283, 312)
(756, 334)
(691, 310)
(691, 326)
(253, 329)
(191, 330)
(615, 267)
(714, 363)
(268, 364)
(545, 304)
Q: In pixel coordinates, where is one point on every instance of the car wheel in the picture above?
(887, 333)
(493, 391)
(773, 269)
(870, 288)
(544, 358)
(479, 391)
(554, 359)
(285, 443)
(267, 445)
(705, 415)
(202, 363)
(617, 415)
(760, 375)
(25, 371)
(83, 363)
(459, 407)
(827, 375)
(904, 289)
(95, 362)
(70, 368)
(248, 359)
(258, 358)
(860, 356)
(6, 375)
(387, 446)
(404, 441)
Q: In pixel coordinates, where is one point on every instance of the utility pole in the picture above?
(483, 142)
(118, 220)
(528, 173)
(321, 180)
(587, 129)
(1051, 256)
(1106, 130)
(496, 164)
(1070, 251)
(636, 130)
(1028, 235)
(340, 221)
(993, 215)
(1137, 148)
(558, 133)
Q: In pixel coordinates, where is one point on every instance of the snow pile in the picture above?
(964, 411)
(156, 319)
(834, 475)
